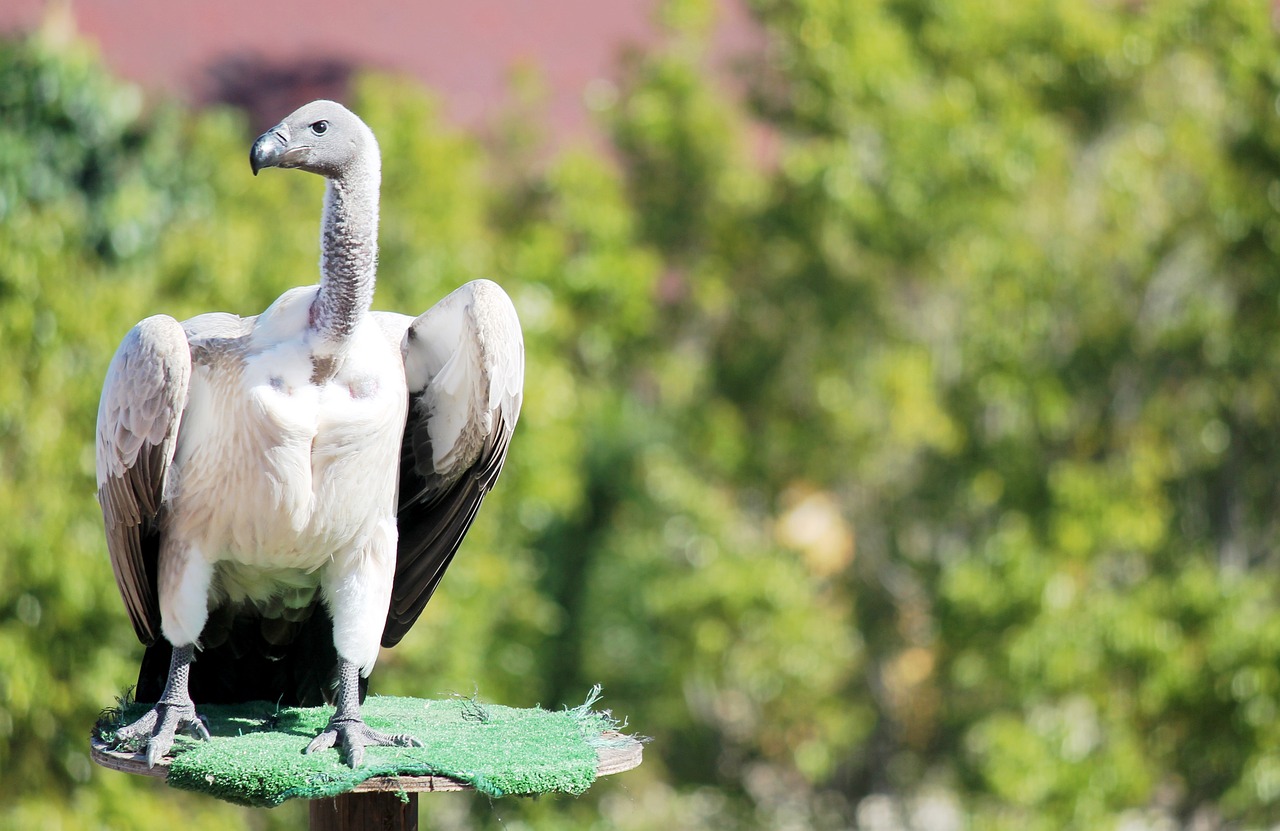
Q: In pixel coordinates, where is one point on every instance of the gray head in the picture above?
(321, 137)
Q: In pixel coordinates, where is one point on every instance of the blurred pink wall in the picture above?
(464, 50)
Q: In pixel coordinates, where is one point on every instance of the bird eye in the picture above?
(320, 128)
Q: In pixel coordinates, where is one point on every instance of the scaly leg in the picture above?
(347, 728)
(173, 712)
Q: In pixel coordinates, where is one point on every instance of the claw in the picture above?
(157, 748)
(324, 741)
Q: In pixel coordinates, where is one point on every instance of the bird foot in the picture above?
(157, 729)
(354, 736)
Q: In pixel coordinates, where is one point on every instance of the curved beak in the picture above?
(269, 148)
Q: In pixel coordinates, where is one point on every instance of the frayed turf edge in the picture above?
(111, 719)
(601, 730)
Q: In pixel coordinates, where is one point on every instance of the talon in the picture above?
(324, 741)
(156, 749)
(199, 729)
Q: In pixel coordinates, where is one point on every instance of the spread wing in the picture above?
(464, 363)
(142, 403)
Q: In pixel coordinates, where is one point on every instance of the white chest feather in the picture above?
(288, 458)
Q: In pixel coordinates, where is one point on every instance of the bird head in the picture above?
(322, 137)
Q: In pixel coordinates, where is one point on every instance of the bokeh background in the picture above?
(900, 443)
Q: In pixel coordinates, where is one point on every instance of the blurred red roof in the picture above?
(466, 51)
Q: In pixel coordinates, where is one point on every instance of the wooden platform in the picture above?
(376, 802)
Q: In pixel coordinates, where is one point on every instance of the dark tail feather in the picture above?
(249, 658)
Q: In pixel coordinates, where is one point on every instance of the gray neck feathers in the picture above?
(348, 250)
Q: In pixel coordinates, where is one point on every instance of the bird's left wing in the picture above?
(464, 364)
(143, 398)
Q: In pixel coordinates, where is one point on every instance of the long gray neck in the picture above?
(348, 253)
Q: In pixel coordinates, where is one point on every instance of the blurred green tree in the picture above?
(914, 471)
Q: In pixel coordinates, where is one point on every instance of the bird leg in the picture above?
(348, 729)
(173, 712)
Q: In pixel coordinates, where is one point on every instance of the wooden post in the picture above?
(377, 811)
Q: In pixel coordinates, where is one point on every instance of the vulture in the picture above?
(282, 493)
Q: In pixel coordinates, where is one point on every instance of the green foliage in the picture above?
(916, 471)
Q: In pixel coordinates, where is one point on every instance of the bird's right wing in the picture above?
(143, 399)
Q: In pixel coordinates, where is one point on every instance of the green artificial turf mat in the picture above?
(255, 756)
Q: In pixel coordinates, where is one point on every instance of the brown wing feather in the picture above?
(133, 542)
(138, 417)
(433, 520)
